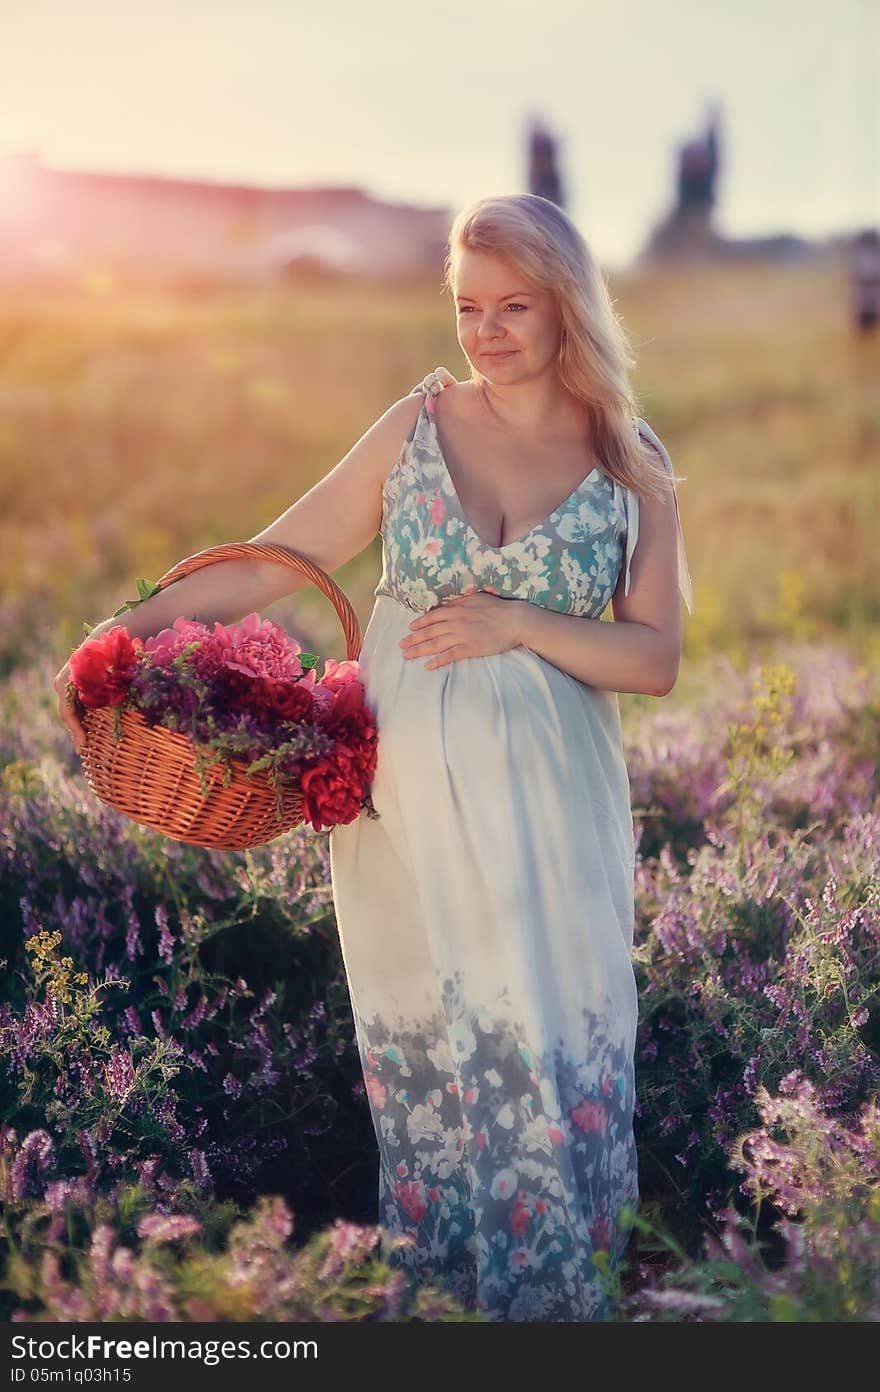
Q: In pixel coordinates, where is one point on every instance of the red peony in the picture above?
(334, 789)
(354, 727)
(268, 699)
(101, 669)
(285, 700)
(331, 790)
(347, 703)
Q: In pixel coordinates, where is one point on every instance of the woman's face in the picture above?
(499, 311)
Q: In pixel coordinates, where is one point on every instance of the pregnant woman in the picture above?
(486, 918)
(486, 914)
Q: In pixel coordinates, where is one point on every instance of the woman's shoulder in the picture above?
(649, 437)
(459, 400)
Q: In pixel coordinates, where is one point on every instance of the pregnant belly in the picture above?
(492, 718)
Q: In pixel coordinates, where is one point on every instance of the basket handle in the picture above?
(284, 555)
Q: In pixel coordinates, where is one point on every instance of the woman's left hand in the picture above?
(475, 623)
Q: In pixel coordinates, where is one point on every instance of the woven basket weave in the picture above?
(150, 774)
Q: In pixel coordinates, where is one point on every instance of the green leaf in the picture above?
(146, 589)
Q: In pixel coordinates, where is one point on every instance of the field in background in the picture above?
(138, 428)
(218, 1065)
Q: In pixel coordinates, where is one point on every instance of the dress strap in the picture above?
(427, 406)
(632, 522)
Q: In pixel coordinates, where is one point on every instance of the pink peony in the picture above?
(322, 697)
(169, 642)
(339, 674)
(256, 647)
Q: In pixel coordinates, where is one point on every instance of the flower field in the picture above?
(184, 1130)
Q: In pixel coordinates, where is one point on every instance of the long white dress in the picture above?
(486, 915)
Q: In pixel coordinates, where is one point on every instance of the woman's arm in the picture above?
(330, 524)
(222, 592)
(641, 650)
(630, 656)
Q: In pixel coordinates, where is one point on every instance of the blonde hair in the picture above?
(594, 353)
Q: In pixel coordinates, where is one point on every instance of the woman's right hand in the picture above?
(435, 382)
(70, 714)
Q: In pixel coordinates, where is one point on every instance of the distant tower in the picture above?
(687, 230)
(698, 169)
(543, 172)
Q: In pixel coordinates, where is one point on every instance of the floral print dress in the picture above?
(486, 915)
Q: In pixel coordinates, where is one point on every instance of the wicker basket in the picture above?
(150, 774)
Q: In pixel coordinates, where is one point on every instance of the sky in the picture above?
(429, 104)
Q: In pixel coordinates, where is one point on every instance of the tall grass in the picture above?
(139, 427)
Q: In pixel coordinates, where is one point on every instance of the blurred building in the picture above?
(688, 231)
(544, 177)
(61, 224)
